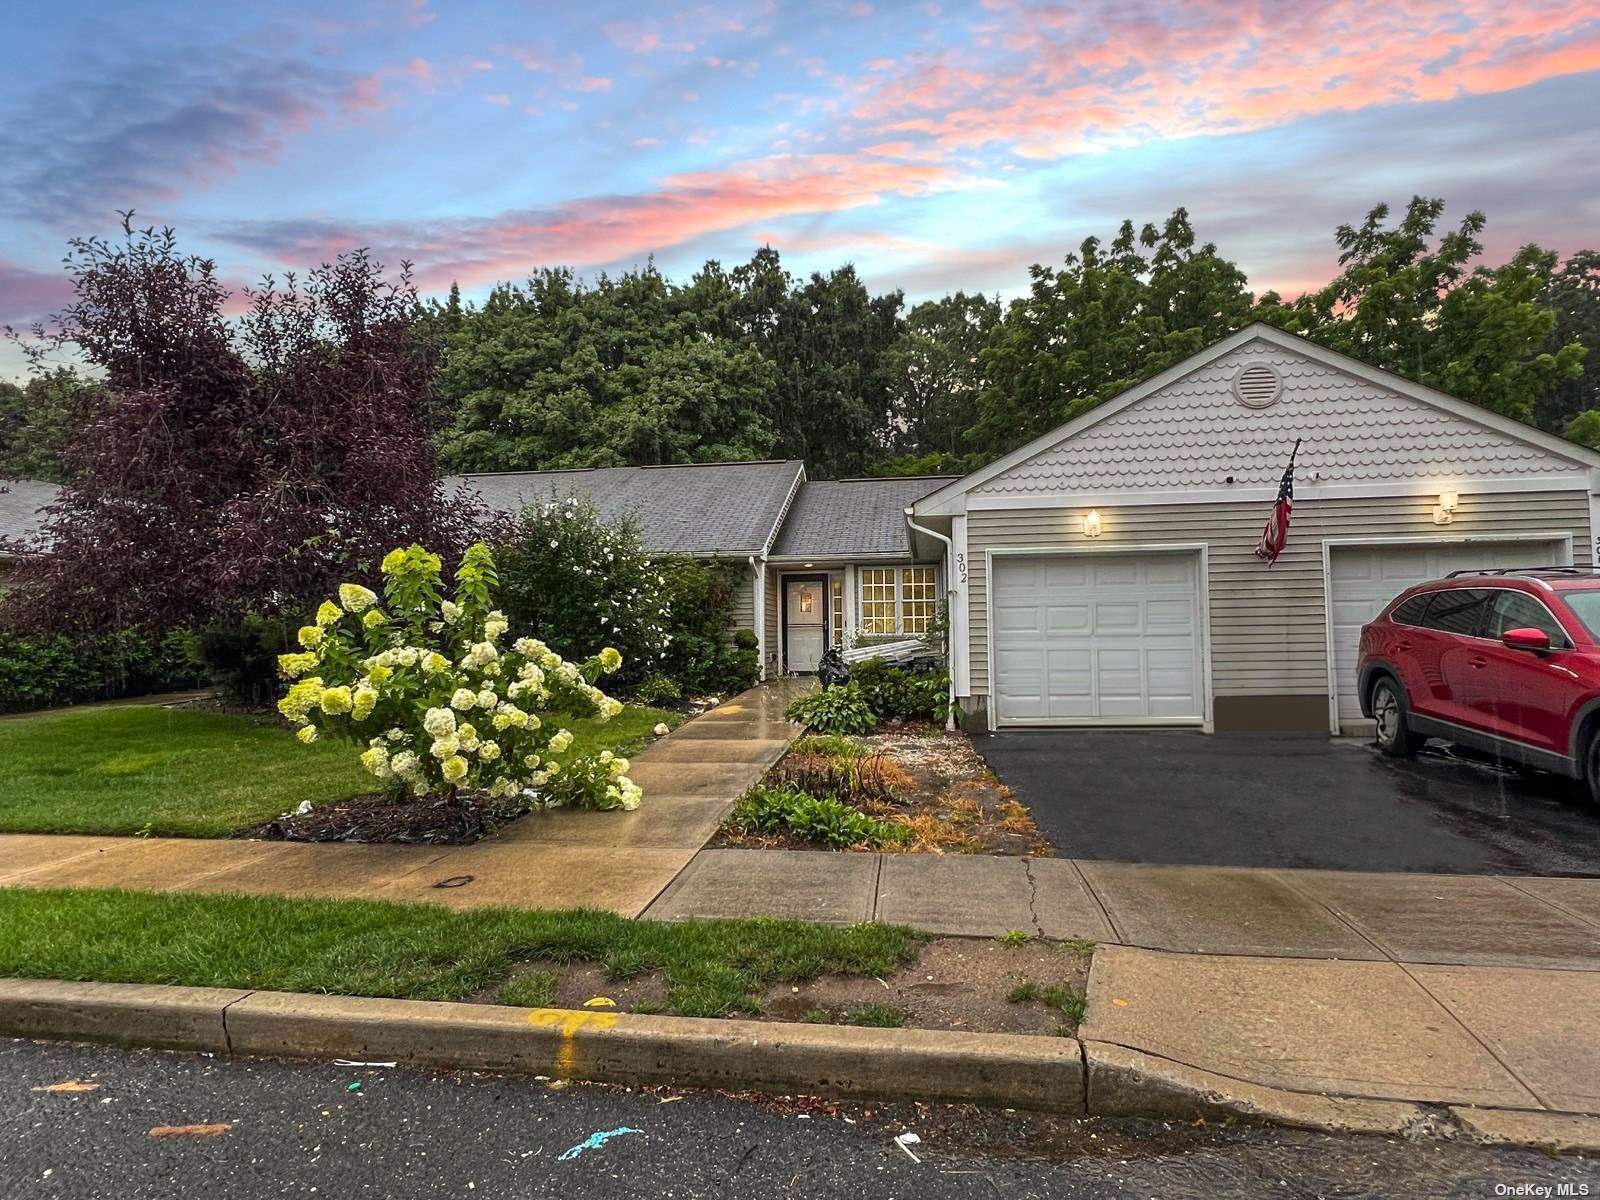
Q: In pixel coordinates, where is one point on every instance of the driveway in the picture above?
(1281, 800)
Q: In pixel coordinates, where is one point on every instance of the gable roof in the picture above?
(20, 502)
(1537, 442)
(853, 518)
(705, 509)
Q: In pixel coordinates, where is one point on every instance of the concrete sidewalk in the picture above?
(1357, 1045)
(561, 859)
(1450, 919)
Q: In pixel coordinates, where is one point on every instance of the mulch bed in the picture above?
(941, 787)
(382, 818)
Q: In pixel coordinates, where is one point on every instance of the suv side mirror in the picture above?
(1535, 640)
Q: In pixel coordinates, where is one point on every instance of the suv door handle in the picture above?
(1480, 661)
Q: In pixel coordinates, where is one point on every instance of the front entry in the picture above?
(805, 621)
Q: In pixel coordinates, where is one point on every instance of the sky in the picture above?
(936, 145)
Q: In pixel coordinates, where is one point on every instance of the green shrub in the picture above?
(788, 810)
(705, 654)
(657, 690)
(41, 672)
(831, 744)
(836, 710)
(905, 693)
(583, 583)
(241, 656)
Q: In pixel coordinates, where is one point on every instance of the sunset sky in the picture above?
(935, 145)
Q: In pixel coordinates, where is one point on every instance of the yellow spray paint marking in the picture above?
(722, 708)
(568, 1021)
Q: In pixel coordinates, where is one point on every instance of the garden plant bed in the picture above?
(940, 789)
(381, 817)
(976, 985)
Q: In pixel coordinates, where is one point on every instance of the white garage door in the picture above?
(1362, 579)
(1105, 638)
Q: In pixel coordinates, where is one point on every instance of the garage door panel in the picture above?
(1107, 637)
(1067, 618)
(1116, 616)
(1363, 579)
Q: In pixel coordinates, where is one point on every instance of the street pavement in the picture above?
(292, 1129)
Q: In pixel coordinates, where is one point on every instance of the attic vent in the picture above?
(1257, 385)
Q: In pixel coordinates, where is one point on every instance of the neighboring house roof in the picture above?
(853, 518)
(1123, 458)
(20, 518)
(703, 509)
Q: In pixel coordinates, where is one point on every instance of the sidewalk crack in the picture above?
(1033, 897)
(1475, 1036)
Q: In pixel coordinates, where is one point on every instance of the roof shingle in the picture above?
(704, 509)
(854, 518)
(20, 502)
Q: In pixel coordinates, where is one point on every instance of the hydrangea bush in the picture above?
(426, 683)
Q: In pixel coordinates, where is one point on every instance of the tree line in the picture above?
(753, 361)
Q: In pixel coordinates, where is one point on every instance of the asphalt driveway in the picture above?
(1281, 800)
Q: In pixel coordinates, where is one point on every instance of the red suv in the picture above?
(1505, 661)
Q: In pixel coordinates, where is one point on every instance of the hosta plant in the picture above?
(440, 696)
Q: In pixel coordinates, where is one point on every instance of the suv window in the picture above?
(1518, 610)
(1409, 612)
(1457, 610)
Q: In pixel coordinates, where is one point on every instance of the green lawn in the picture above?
(367, 948)
(142, 769)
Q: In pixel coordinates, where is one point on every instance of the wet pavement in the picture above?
(248, 1129)
(1288, 800)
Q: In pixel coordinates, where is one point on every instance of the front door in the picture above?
(805, 622)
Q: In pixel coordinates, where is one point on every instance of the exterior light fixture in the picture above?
(1091, 523)
(1445, 512)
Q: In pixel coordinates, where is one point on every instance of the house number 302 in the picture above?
(961, 565)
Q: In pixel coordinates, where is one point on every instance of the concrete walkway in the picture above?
(1452, 919)
(563, 859)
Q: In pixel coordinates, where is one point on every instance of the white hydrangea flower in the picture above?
(464, 699)
(438, 722)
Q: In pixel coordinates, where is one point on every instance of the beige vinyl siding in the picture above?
(774, 638)
(744, 602)
(1268, 627)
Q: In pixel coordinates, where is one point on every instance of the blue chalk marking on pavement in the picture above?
(594, 1141)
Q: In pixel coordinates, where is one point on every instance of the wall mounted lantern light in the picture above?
(1091, 523)
(1445, 511)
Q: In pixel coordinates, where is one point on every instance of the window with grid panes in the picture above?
(918, 599)
(837, 584)
(878, 600)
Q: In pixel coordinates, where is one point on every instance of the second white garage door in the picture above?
(1362, 579)
(1098, 638)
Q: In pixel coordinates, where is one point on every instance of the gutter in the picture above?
(949, 625)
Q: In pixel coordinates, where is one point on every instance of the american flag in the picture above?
(1276, 533)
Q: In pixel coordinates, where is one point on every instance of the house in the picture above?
(21, 516)
(826, 562)
(1105, 575)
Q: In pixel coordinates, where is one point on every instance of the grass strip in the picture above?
(414, 951)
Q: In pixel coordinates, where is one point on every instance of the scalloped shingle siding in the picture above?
(1195, 433)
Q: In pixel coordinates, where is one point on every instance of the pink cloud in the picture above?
(591, 83)
(27, 295)
(1073, 77)
(606, 229)
(644, 39)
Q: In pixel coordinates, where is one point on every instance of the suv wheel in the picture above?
(1393, 736)
(1591, 769)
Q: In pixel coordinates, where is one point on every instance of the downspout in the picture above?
(949, 625)
(758, 576)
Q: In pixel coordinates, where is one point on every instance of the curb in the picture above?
(1051, 1074)
(1008, 1070)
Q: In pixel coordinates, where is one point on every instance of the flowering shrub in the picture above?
(423, 682)
(585, 583)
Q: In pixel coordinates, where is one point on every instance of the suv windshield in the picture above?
(1585, 602)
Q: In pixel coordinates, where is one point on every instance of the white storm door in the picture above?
(805, 624)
